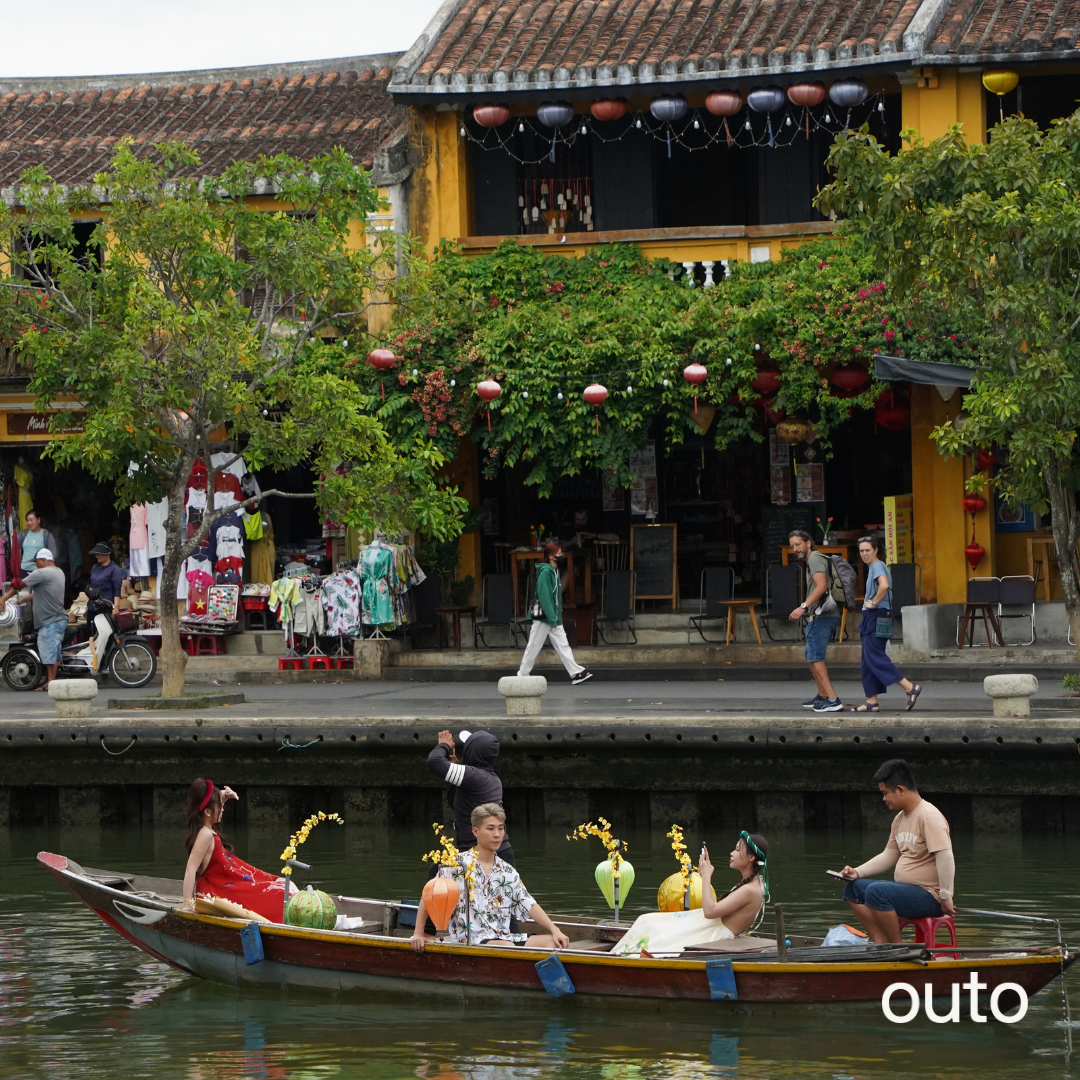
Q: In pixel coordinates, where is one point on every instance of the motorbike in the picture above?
(91, 650)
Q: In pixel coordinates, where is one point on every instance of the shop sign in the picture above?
(810, 483)
(898, 525)
(37, 424)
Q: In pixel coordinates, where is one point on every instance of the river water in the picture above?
(78, 1002)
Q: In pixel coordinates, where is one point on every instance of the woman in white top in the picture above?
(669, 932)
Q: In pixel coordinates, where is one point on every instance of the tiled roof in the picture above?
(1008, 27)
(71, 125)
(485, 45)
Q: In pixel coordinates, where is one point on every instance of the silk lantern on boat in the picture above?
(595, 395)
(490, 116)
(672, 894)
(608, 109)
(441, 896)
(614, 886)
(489, 390)
(724, 103)
(766, 99)
(695, 374)
(1000, 81)
(806, 95)
(311, 908)
(381, 360)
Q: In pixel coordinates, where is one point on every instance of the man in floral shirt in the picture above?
(491, 890)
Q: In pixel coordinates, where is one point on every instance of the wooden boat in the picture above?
(376, 955)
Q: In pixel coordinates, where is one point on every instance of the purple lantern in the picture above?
(668, 108)
(766, 99)
(847, 93)
(555, 114)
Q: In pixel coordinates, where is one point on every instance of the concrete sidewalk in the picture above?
(347, 698)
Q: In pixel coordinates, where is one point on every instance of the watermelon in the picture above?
(312, 909)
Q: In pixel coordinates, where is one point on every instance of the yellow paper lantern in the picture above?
(1000, 81)
(670, 895)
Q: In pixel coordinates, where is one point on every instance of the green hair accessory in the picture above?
(760, 857)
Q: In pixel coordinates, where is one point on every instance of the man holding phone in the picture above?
(919, 847)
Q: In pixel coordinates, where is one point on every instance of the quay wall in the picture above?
(768, 773)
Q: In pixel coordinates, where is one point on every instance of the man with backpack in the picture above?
(823, 612)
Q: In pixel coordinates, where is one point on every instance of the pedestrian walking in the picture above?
(821, 609)
(546, 617)
(878, 670)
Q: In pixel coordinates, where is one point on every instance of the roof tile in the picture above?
(1007, 27)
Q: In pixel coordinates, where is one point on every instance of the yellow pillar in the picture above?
(464, 474)
(439, 206)
(924, 457)
(940, 97)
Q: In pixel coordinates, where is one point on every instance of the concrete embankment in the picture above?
(768, 772)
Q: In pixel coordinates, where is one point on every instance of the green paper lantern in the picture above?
(312, 909)
(605, 878)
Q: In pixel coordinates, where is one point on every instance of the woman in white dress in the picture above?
(667, 933)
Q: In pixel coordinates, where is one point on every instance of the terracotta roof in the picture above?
(1008, 27)
(486, 45)
(70, 125)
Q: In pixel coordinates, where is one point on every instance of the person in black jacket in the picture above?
(471, 782)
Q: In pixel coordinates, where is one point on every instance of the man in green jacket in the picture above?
(547, 619)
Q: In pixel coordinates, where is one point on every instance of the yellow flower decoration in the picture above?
(675, 835)
(602, 832)
(447, 853)
(302, 834)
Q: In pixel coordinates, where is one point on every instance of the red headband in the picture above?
(207, 797)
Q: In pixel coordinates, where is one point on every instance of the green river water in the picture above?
(76, 1001)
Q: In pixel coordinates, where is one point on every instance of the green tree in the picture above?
(992, 234)
(194, 310)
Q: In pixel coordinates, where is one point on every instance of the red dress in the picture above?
(233, 879)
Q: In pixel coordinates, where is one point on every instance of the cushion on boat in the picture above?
(216, 905)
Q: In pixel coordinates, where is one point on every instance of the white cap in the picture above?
(44, 553)
(463, 736)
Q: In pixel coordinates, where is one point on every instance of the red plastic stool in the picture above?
(321, 663)
(344, 663)
(290, 663)
(207, 645)
(926, 930)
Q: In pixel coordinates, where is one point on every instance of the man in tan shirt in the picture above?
(920, 848)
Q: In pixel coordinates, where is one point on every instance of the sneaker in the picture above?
(580, 677)
(829, 705)
(812, 703)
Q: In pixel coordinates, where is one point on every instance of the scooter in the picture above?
(126, 657)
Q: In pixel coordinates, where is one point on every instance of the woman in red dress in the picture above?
(212, 868)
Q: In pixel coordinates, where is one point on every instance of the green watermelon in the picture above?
(311, 908)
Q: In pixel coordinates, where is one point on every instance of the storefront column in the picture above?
(935, 98)
(464, 474)
(924, 456)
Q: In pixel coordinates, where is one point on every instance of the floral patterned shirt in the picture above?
(495, 897)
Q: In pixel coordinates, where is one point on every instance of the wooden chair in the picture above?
(983, 598)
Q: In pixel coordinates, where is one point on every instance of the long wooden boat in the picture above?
(376, 955)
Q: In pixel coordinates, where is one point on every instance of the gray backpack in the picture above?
(842, 582)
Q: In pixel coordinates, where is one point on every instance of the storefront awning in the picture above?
(946, 377)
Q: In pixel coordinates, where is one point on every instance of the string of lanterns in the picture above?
(669, 109)
(985, 460)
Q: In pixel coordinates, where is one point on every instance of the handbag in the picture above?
(884, 628)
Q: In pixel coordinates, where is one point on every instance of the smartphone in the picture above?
(836, 874)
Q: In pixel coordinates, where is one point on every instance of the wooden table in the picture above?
(532, 555)
(455, 613)
(990, 624)
(732, 607)
(1047, 544)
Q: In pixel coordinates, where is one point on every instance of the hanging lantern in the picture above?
(974, 503)
(772, 414)
(794, 431)
(489, 390)
(767, 380)
(555, 114)
(703, 417)
(985, 459)
(764, 99)
(490, 116)
(669, 107)
(596, 395)
(847, 93)
(695, 374)
(848, 377)
(609, 108)
(381, 360)
(440, 898)
(974, 552)
(605, 878)
(671, 895)
(724, 103)
(806, 94)
(1000, 81)
(893, 413)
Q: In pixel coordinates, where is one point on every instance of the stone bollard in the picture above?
(1011, 693)
(73, 697)
(523, 694)
(370, 656)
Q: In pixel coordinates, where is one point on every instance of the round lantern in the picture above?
(765, 99)
(848, 377)
(847, 93)
(671, 896)
(609, 108)
(974, 503)
(985, 459)
(806, 94)
(724, 102)
(1000, 81)
(893, 413)
(555, 114)
(441, 895)
(311, 908)
(767, 380)
(490, 116)
(605, 878)
(669, 107)
(489, 390)
(768, 408)
(381, 360)
(974, 553)
(793, 431)
(695, 374)
(596, 395)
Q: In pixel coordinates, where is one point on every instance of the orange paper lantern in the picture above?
(440, 898)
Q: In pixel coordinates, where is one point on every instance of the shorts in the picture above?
(819, 633)
(50, 641)
(908, 901)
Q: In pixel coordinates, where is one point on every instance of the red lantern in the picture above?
(985, 459)
(489, 390)
(848, 377)
(490, 116)
(440, 898)
(974, 553)
(806, 95)
(381, 360)
(724, 102)
(695, 374)
(893, 413)
(974, 503)
(609, 108)
(767, 380)
(596, 395)
(767, 405)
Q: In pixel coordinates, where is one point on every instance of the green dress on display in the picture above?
(376, 567)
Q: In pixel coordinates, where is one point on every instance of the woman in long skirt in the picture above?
(878, 671)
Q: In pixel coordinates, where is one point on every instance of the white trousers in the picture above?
(540, 633)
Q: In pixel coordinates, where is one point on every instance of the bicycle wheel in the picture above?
(22, 670)
(133, 664)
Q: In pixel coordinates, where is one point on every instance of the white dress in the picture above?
(670, 932)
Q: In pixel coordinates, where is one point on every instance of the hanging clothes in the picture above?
(341, 602)
(377, 575)
(24, 479)
(263, 554)
(310, 616)
(139, 542)
(156, 516)
(253, 526)
(284, 596)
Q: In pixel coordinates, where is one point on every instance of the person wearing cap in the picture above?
(47, 584)
(106, 576)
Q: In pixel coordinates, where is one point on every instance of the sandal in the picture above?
(913, 696)
(866, 707)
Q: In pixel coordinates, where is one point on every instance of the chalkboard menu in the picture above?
(776, 523)
(652, 558)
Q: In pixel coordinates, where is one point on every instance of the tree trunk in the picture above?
(173, 657)
(1065, 528)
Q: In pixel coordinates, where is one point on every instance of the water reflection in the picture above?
(79, 1003)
